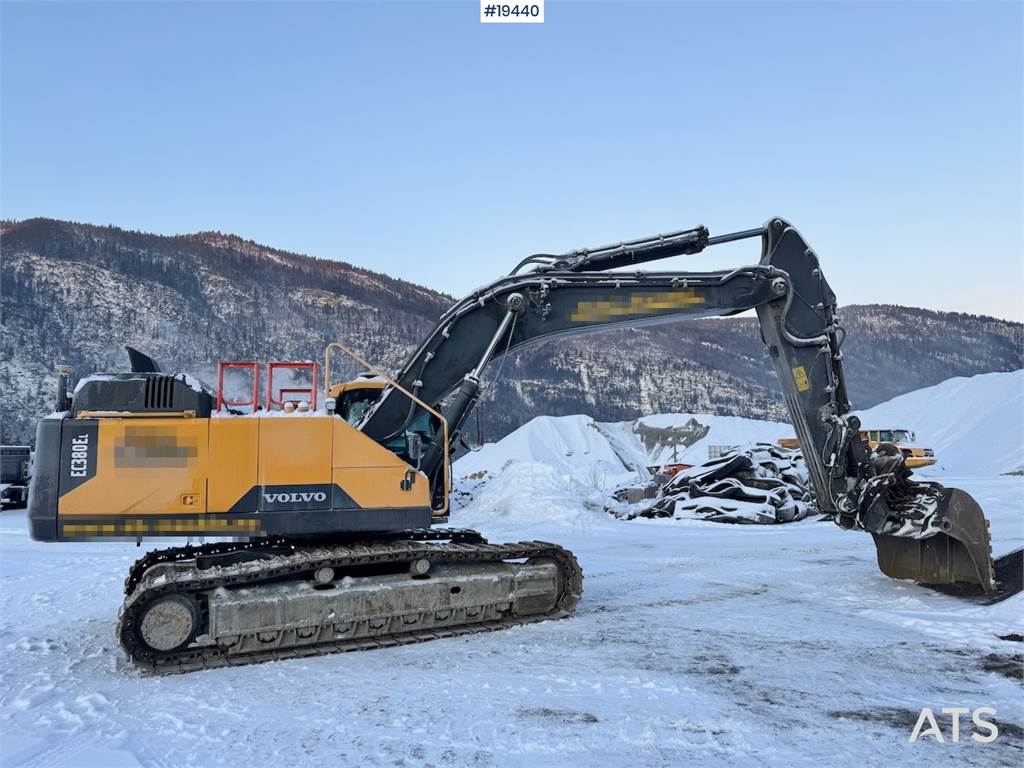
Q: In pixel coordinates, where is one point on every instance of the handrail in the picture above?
(433, 411)
(254, 368)
(291, 365)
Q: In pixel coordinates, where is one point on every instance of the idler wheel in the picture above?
(169, 622)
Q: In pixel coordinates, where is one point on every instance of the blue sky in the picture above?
(413, 140)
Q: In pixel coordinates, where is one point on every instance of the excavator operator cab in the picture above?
(410, 444)
(354, 398)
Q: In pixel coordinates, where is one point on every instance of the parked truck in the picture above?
(15, 470)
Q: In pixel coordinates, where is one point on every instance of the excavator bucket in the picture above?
(956, 560)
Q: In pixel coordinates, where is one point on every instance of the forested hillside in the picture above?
(77, 294)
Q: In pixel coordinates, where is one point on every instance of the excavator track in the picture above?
(188, 593)
(1009, 581)
(264, 544)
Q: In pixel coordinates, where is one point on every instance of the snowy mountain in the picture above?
(77, 294)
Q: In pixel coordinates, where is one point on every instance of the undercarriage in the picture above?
(229, 604)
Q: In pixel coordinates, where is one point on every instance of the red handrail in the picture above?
(311, 389)
(235, 364)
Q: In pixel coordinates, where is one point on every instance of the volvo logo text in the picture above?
(294, 498)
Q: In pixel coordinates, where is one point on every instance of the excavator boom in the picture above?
(923, 531)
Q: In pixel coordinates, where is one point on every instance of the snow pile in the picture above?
(552, 468)
(572, 443)
(566, 443)
(762, 484)
(525, 493)
(562, 467)
(558, 468)
(975, 425)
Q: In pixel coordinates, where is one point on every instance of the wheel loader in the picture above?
(326, 517)
(914, 456)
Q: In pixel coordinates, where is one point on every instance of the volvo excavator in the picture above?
(324, 519)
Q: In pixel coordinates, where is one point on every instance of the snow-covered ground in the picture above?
(695, 643)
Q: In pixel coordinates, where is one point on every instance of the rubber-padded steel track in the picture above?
(265, 544)
(448, 546)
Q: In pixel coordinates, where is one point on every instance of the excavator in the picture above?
(325, 518)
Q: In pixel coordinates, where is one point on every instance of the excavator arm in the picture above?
(922, 531)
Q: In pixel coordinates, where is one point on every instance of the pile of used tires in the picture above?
(759, 484)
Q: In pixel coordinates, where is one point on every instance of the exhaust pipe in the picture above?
(63, 402)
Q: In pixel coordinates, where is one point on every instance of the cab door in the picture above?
(295, 462)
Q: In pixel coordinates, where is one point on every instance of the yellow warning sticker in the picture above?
(800, 378)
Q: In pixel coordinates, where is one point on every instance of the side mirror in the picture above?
(414, 446)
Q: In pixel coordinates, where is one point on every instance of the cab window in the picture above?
(353, 404)
(424, 424)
